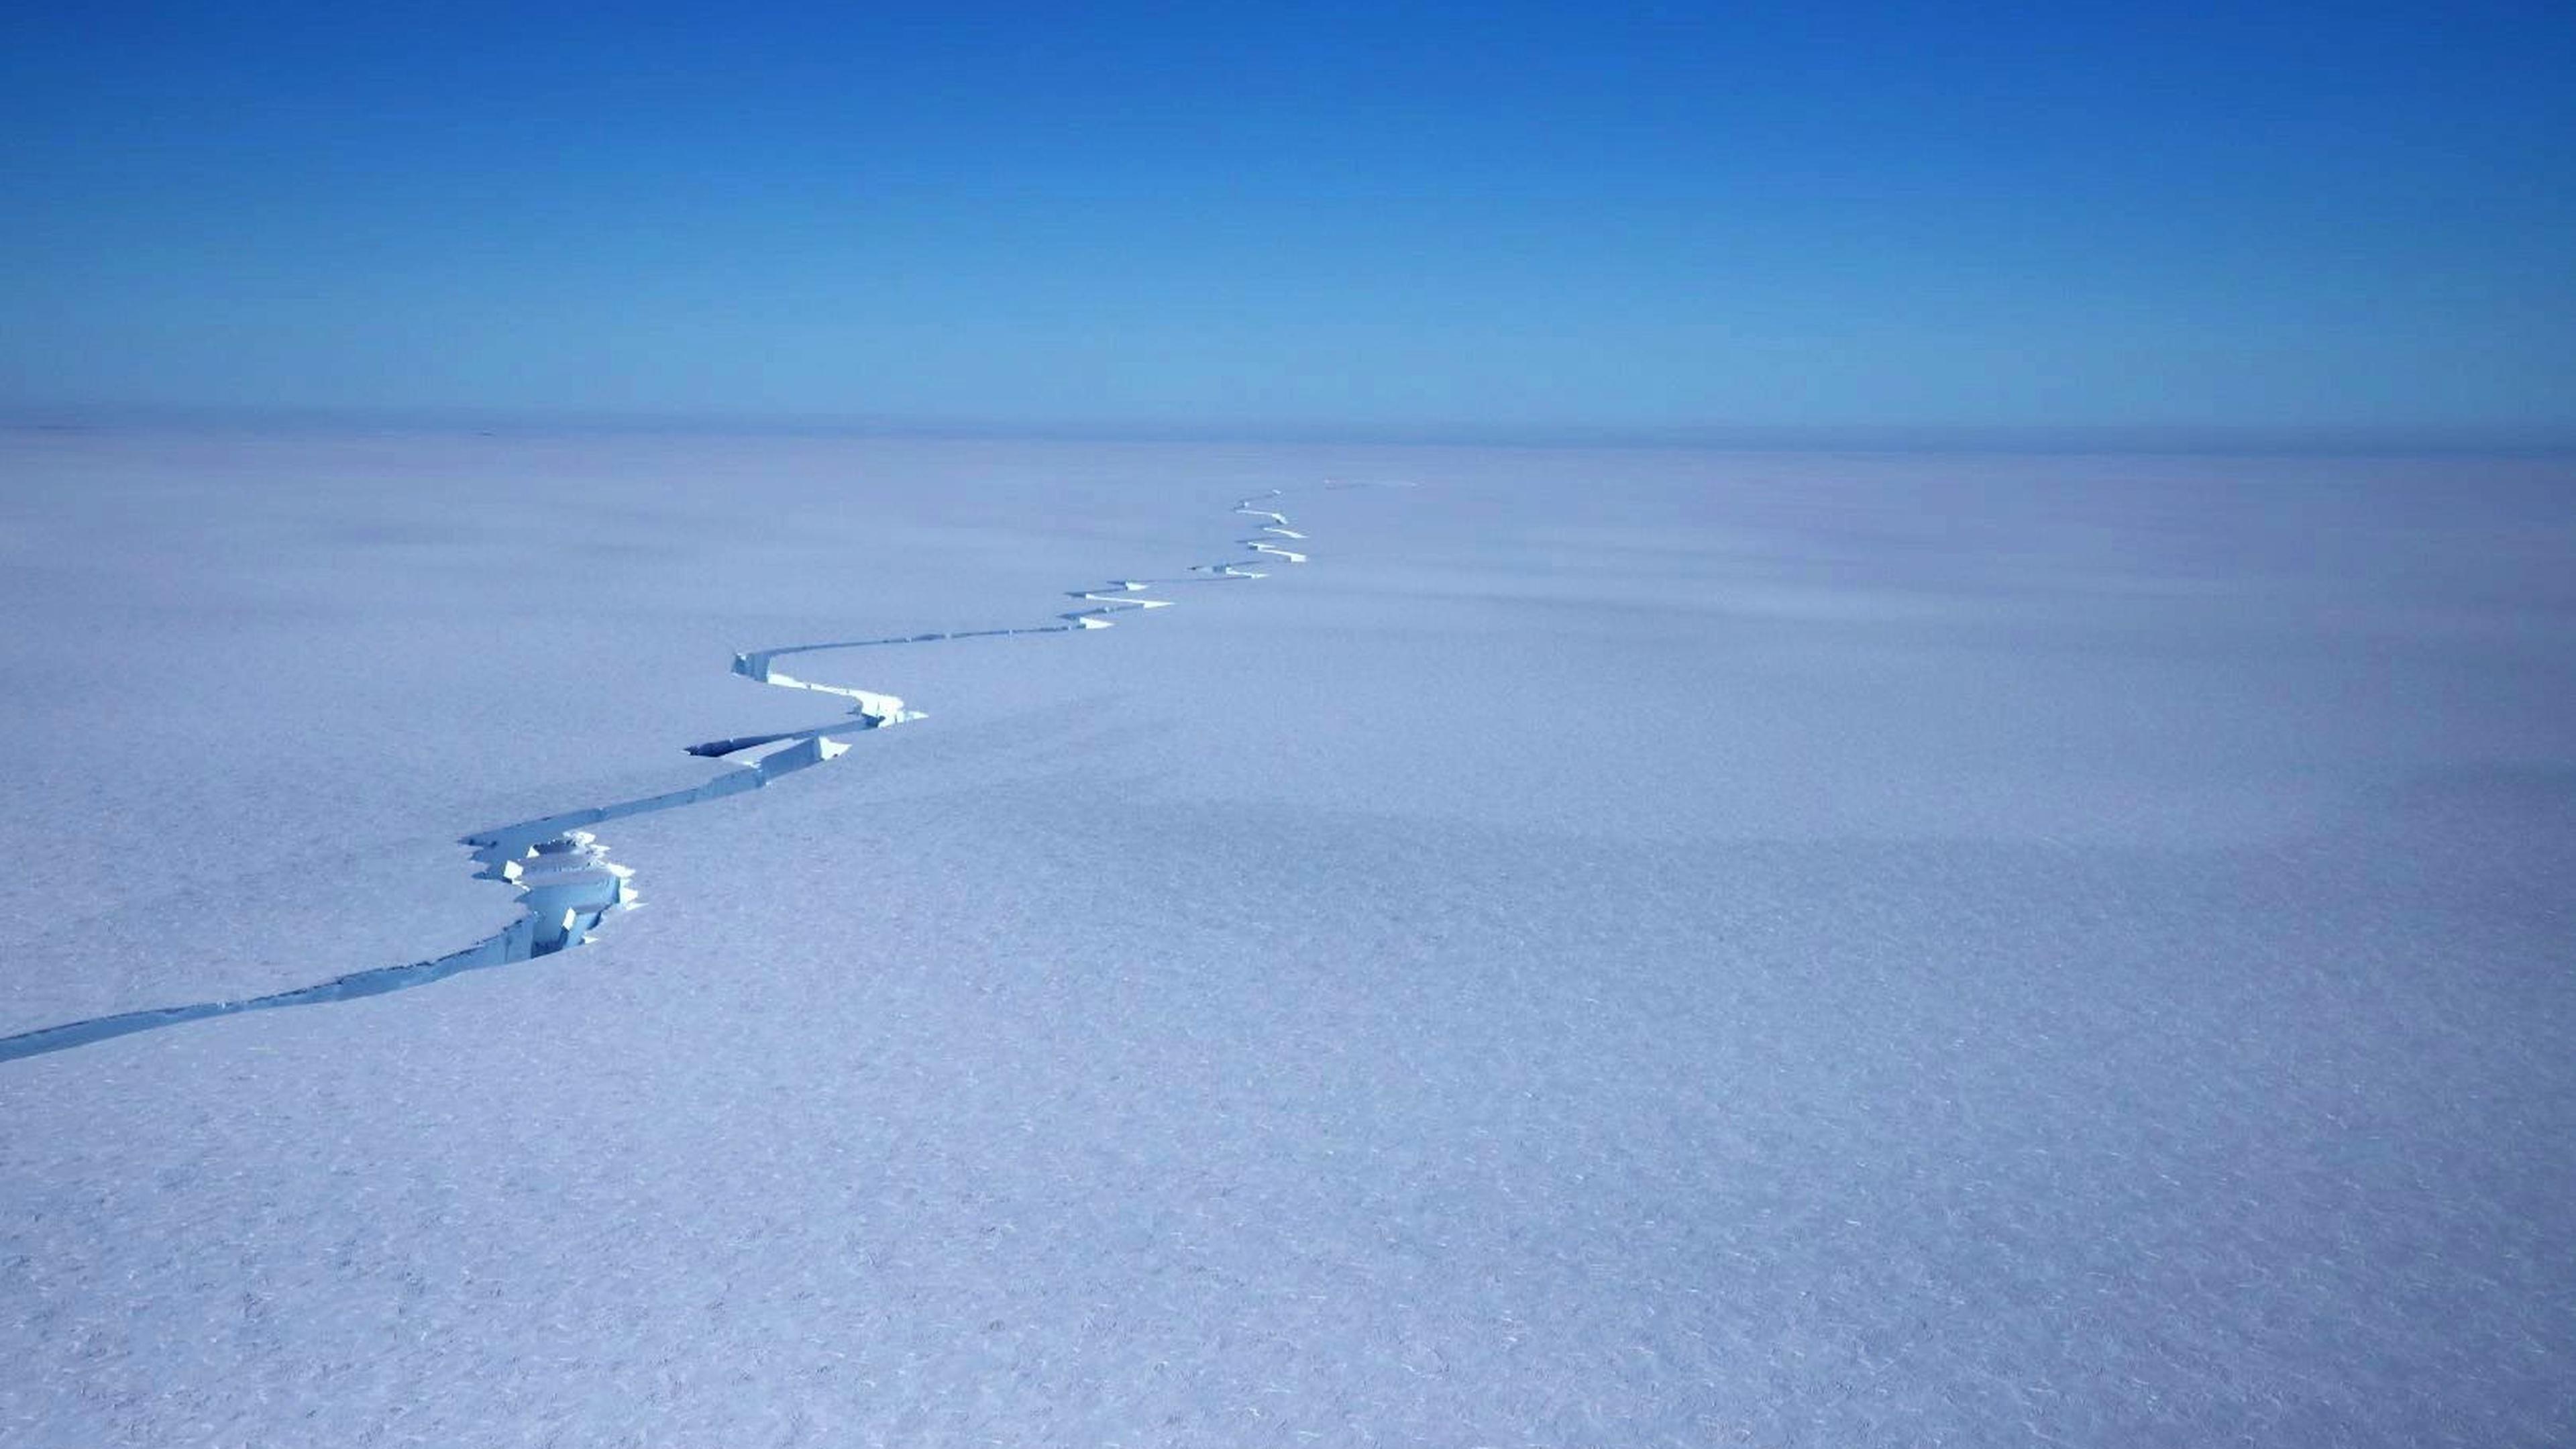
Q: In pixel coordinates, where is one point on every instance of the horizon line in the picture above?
(2392, 439)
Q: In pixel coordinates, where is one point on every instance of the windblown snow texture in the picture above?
(1646, 948)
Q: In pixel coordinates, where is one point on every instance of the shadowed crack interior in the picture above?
(568, 887)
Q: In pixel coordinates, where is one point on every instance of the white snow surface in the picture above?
(1621, 948)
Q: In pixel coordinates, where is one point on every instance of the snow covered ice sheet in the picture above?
(1617, 949)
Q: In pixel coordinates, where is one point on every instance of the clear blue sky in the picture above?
(1386, 217)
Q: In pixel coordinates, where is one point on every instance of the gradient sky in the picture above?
(1489, 217)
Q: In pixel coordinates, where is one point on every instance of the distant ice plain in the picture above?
(1622, 949)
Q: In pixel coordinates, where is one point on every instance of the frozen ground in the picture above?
(1623, 949)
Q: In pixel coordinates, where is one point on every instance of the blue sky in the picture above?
(1446, 220)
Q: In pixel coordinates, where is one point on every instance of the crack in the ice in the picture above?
(567, 884)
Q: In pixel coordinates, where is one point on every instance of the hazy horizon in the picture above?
(2074, 438)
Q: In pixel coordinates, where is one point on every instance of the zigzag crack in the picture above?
(568, 887)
